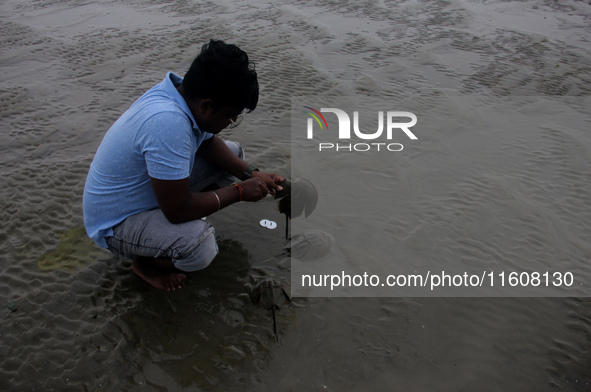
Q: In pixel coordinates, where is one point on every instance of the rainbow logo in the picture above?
(315, 113)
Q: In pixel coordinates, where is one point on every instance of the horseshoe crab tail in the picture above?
(286, 227)
(275, 328)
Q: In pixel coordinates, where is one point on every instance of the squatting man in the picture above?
(161, 168)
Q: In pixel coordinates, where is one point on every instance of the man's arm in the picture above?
(180, 205)
(215, 151)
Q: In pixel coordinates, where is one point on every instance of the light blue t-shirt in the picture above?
(156, 137)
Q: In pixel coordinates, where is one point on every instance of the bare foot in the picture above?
(152, 271)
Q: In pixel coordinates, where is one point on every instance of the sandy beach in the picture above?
(75, 318)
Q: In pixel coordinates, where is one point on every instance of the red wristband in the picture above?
(239, 190)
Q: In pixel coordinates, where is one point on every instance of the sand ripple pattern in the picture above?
(74, 318)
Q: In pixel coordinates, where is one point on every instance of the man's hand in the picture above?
(253, 189)
(271, 180)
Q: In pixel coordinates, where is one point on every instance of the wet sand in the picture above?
(75, 318)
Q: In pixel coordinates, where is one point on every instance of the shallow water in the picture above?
(75, 318)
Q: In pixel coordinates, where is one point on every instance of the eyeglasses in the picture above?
(235, 123)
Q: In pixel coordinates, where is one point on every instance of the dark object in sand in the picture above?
(271, 294)
(297, 197)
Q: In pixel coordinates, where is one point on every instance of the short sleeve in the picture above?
(166, 142)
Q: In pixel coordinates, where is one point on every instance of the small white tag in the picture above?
(268, 224)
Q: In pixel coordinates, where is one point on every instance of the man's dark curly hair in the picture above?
(222, 73)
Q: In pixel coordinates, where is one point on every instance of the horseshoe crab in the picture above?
(270, 294)
(297, 197)
(310, 245)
